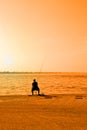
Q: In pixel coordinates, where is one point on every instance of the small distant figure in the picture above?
(35, 87)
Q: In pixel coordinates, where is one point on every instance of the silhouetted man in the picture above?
(35, 87)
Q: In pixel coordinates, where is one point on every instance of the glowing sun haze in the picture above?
(47, 33)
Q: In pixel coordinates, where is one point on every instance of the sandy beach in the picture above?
(47, 112)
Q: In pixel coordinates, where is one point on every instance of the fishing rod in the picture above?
(41, 67)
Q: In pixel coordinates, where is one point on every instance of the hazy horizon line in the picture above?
(42, 72)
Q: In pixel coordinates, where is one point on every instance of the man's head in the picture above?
(34, 80)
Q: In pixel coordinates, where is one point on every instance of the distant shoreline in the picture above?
(14, 72)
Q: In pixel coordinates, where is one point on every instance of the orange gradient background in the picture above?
(51, 34)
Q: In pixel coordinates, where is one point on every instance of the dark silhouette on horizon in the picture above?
(35, 87)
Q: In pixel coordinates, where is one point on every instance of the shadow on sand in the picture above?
(79, 96)
(47, 96)
(59, 96)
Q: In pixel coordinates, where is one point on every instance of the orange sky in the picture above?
(50, 35)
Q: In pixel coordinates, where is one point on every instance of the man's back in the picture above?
(35, 85)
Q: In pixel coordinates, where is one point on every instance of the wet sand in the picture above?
(46, 112)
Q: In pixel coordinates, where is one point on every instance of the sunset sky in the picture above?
(43, 35)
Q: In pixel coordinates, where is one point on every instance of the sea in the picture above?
(48, 82)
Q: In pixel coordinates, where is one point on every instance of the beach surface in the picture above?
(46, 112)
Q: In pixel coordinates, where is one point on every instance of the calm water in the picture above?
(49, 83)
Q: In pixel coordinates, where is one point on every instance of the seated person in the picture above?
(35, 87)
